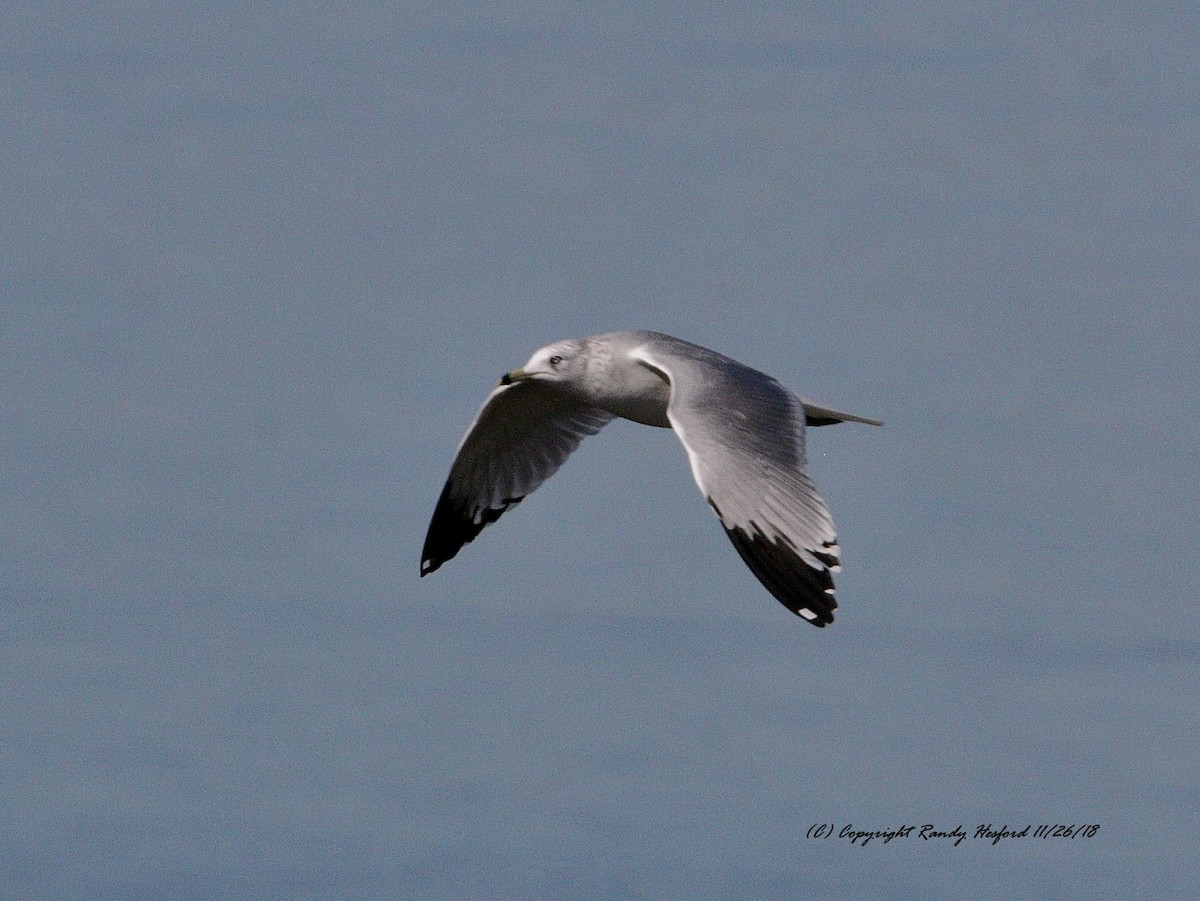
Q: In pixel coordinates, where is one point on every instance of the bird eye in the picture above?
(555, 360)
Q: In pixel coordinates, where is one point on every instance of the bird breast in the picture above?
(636, 392)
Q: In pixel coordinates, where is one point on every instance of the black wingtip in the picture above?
(804, 589)
(454, 526)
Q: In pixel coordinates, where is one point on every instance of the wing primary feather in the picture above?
(805, 590)
(521, 436)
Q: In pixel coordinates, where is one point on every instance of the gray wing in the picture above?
(744, 436)
(522, 435)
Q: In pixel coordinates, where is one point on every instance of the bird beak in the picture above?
(516, 375)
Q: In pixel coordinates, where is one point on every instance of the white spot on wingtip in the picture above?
(806, 613)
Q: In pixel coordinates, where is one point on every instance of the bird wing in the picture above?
(744, 436)
(521, 436)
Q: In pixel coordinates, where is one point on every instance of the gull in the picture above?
(742, 430)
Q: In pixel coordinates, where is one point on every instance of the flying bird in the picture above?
(742, 430)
